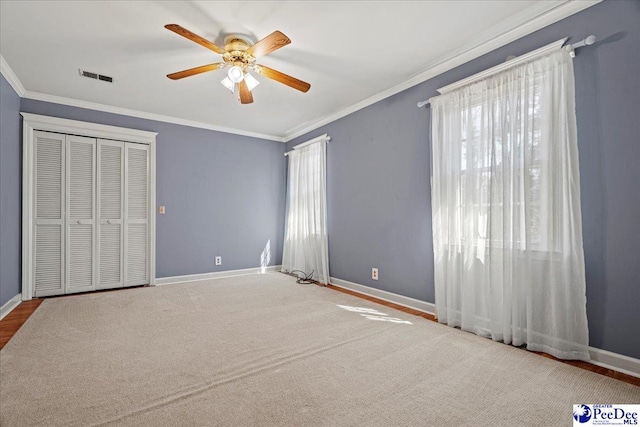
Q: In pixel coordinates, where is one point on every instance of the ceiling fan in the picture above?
(240, 56)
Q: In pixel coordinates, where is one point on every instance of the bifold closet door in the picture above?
(49, 218)
(80, 236)
(136, 214)
(110, 214)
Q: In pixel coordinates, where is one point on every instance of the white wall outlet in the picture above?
(161, 210)
(218, 260)
(374, 273)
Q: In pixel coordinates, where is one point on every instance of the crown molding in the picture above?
(144, 115)
(552, 47)
(11, 77)
(15, 83)
(511, 30)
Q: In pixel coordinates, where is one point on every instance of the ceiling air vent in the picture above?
(95, 76)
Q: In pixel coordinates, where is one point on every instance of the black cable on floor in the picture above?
(305, 279)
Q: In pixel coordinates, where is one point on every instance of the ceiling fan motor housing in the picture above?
(235, 52)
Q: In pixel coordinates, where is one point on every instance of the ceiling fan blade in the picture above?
(245, 93)
(194, 37)
(273, 41)
(193, 71)
(283, 78)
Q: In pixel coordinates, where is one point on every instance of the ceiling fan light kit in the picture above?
(252, 82)
(226, 82)
(235, 74)
(240, 56)
(233, 78)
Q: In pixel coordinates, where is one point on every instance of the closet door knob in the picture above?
(79, 222)
(108, 221)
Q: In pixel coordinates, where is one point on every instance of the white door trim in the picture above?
(34, 122)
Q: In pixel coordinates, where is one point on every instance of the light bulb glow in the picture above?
(235, 74)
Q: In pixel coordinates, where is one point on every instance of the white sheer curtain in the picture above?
(306, 245)
(507, 229)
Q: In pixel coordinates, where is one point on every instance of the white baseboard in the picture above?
(214, 275)
(617, 362)
(425, 307)
(606, 359)
(10, 305)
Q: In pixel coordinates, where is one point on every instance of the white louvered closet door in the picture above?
(80, 236)
(136, 214)
(110, 214)
(49, 213)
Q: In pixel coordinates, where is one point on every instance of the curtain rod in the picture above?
(324, 137)
(515, 61)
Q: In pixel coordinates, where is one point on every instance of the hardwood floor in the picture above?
(385, 303)
(14, 320)
(583, 365)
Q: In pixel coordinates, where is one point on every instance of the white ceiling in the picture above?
(348, 50)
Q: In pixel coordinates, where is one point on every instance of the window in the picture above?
(508, 260)
(500, 153)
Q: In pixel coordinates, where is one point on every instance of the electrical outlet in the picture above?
(161, 210)
(374, 273)
(218, 260)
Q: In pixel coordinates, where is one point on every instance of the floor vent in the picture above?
(95, 76)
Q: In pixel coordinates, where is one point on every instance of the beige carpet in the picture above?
(262, 350)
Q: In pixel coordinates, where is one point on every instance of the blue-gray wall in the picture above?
(224, 194)
(10, 192)
(379, 205)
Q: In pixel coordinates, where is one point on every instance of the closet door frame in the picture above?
(35, 122)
